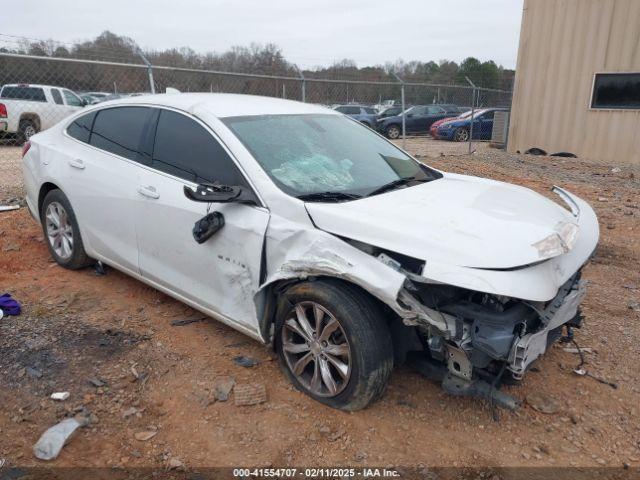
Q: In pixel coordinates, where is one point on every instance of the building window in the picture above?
(616, 91)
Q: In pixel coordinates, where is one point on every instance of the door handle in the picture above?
(148, 191)
(77, 163)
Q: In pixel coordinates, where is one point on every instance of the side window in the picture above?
(80, 128)
(72, 99)
(352, 110)
(55, 93)
(434, 110)
(120, 130)
(185, 149)
(342, 109)
(370, 111)
(488, 115)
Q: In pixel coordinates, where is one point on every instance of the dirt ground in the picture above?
(81, 326)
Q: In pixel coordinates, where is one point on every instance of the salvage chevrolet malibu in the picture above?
(311, 233)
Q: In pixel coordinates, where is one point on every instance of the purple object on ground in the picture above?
(9, 305)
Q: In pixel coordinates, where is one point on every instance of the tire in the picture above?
(66, 247)
(26, 130)
(461, 135)
(393, 132)
(361, 341)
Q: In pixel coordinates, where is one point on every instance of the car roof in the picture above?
(36, 85)
(225, 104)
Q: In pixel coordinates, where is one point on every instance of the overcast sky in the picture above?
(310, 32)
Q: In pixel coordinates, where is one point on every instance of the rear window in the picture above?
(349, 110)
(120, 130)
(32, 94)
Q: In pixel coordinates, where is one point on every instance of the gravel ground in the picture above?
(157, 380)
(11, 173)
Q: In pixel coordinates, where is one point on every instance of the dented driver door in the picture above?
(221, 275)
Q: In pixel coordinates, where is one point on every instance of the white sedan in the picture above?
(310, 232)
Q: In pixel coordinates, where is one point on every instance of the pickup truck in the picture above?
(26, 109)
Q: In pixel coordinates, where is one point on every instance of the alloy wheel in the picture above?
(462, 135)
(59, 230)
(393, 132)
(316, 349)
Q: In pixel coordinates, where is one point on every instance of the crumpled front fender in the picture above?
(294, 253)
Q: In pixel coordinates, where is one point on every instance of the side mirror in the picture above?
(213, 193)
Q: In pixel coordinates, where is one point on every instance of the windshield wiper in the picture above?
(391, 185)
(328, 196)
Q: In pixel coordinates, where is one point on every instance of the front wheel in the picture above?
(334, 344)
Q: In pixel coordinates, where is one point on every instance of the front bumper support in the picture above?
(560, 311)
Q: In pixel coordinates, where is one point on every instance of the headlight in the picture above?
(557, 243)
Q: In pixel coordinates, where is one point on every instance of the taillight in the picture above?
(25, 148)
(3, 110)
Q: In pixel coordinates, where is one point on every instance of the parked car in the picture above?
(434, 126)
(363, 114)
(26, 109)
(459, 129)
(90, 99)
(418, 119)
(99, 95)
(390, 112)
(309, 232)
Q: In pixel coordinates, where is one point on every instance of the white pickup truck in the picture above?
(26, 109)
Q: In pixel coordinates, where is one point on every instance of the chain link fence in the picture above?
(39, 91)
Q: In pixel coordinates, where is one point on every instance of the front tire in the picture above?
(333, 343)
(61, 232)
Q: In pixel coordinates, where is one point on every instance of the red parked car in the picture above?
(434, 126)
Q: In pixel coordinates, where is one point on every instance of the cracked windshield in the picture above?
(325, 154)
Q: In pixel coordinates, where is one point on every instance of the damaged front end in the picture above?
(470, 307)
(480, 327)
(473, 341)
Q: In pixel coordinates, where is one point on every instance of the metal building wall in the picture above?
(563, 43)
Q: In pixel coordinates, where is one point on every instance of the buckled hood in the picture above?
(458, 220)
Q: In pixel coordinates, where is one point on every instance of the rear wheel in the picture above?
(393, 132)
(461, 135)
(333, 344)
(62, 233)
(26, 130)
